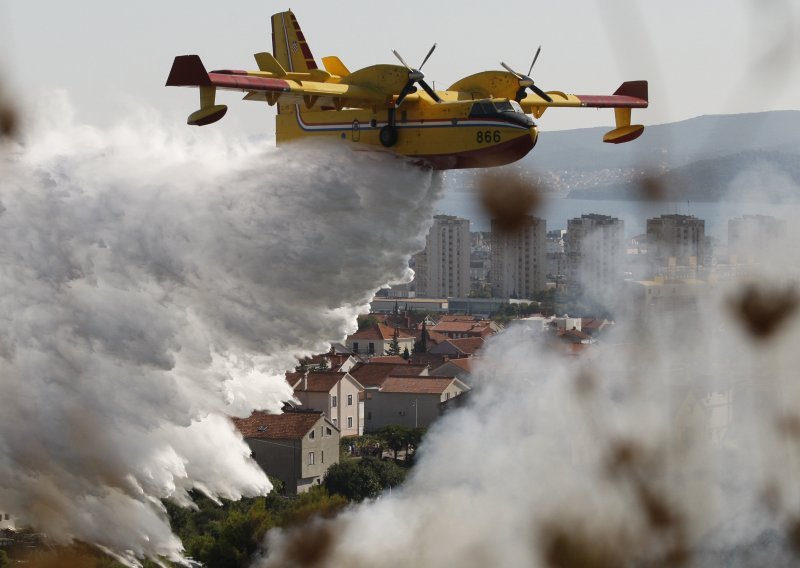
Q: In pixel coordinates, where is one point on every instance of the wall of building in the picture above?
(288, 460)
(519, 260)
(6, 521)
(678, 237)
(594, 245)
(443, 268)
(405, 409)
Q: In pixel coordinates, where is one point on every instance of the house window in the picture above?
(355, 346)
(371, 348)
(349, 400)
(333, 401)
(311, 435)
(349, 421)
(447, 396)
(322, 456)
(328, 432)
(310, 458)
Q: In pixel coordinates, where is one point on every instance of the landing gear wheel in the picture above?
(388, 135)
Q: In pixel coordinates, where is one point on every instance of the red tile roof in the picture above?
(453, 327)
(434, 337)
(373, 374)
(317, 382)
(464, 363)
(378, 331)
(446, 318)
(420, 385)
(467, 345)
(393, 359)
(286, 426)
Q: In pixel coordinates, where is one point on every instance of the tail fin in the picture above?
(636, 89)
(289, 44)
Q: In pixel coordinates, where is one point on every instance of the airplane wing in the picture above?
(507, 85)
(630, 95)
(189, 71)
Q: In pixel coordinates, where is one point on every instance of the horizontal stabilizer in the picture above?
(267, 62)
(334, 66)
(188, 71)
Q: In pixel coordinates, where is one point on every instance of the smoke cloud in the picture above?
(153, 283)
(673, 443)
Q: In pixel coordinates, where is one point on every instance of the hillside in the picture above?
(702, 159)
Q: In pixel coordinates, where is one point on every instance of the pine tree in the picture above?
(394, 346)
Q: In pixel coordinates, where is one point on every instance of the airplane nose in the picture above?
(534, 132)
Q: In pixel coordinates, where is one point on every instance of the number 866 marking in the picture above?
(487, 136)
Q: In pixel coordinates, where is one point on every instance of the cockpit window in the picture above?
(487, 108)
(482, 109)
(508, 106)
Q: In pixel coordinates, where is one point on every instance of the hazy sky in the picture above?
(700, 56)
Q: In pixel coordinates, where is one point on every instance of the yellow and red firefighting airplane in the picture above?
(480, 121)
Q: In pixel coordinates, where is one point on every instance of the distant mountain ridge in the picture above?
(706, 158)
(744, 176)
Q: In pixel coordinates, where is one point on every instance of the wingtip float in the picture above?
(481, 121)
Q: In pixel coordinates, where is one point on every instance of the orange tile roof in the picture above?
(380, 332)
(464, 363)
(286, 426)
(373, 374)
(447, 318)
(467, 345)
(420, 385)
(393, 359)
(317, 382)
(453, 327)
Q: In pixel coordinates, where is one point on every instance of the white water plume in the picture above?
(673, 443)
(153, 283)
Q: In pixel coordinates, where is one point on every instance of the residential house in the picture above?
(455, 348)
(377, 338)
(372, 375)
(595, 326)
(296, 447)
(459, 329)
(410, 401)
(6, 522)
(458, 368)
(339, 395)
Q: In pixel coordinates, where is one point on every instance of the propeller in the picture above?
(415, 76)
(525, 82)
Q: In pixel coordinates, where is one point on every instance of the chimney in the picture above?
(305, 380)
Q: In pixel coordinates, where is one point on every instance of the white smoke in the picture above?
(153, 283)
(673, 444)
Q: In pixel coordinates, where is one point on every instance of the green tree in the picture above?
(366, 322)
(394, 437)
(352, 480)
(406, 354)
(365, 478)
(394, 346)
(421, 346)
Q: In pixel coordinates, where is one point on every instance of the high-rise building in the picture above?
(594, 245)
(519, 260)
(678, 237)
(443, 267)
(750, 235)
